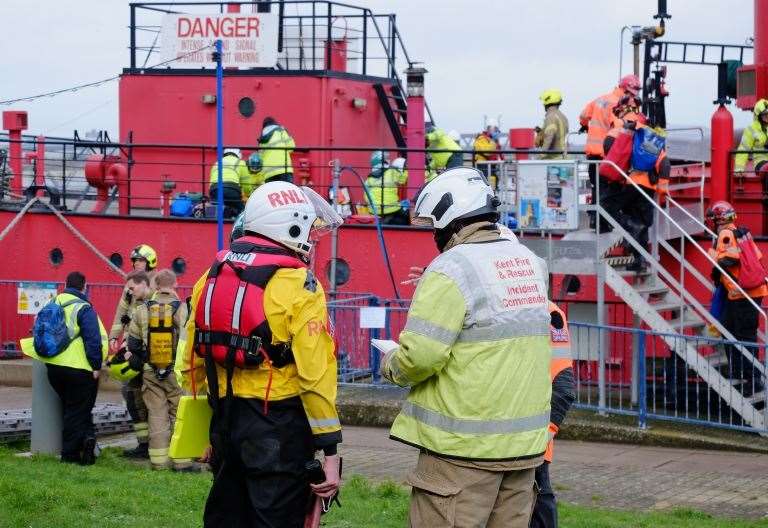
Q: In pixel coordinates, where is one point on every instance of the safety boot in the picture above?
(89, 452)
(139, 452)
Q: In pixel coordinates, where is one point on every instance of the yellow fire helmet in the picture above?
(550, 97)
(119, 369)
(761, 107)
(143, 251)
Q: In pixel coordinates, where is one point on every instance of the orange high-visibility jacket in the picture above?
(597, 117)
(560, 340)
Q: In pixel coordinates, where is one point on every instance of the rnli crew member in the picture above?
(755, 137)
(383, 185)
(563, 396)
(632, 205)
(74, 373)
(274, 390)
(236, 181)
(275, 147)
(479, 309)
(255, 167)
(596, 120)
(138, 287)
(738, 316)
(152, 338)
(552, 136)
(445, 152)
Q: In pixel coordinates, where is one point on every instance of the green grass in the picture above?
(40, 492)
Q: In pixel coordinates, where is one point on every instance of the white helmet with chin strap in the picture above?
(457, 193)
(288, 214)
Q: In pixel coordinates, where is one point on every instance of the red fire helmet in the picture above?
(630, 83)
(720, 213)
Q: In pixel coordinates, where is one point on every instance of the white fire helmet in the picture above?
(235, 151)
(491, 122)
(398, 163)
(288, 214)
(461, 192)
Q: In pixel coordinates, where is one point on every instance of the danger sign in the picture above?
(249, 40)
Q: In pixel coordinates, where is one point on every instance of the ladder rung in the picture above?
(757, 397)
(650, 289)
(663, 306)
(686, 323)
(717, 359)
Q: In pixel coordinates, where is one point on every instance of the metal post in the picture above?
(600, 306)
(636, 338)
(133, 37)
(219, 148)
(373, 354)
(642, 415)
(365, 40)
(335, 232)
(46, 413)
(328, 41)
(64, 178)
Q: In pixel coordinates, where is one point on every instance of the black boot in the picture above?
(141, 451)
(89, 452)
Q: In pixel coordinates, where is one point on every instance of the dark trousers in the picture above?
(287, 177)
(741, 319)
(77, 391)
(258, 465)
(633, 211)
(456, 160)
(233, 198)
(545, 510)
(397, 218)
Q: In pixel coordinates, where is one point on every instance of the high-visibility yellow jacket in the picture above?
(554, 134)
(275, 147)
(475, 352)
(754, 137)
(233, 170)
(74, 355)
(385, 191)
(486, 148)
(439, 140)
(294, 304)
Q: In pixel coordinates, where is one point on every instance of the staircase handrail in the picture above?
(668, 276)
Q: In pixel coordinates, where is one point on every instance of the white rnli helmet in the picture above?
(398, 163)
(234, 151)
(461, 192)
(288, 214)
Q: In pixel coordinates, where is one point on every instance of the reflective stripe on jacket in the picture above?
(725, 253)
(754, 137)
(554, 134)
(385, 191)
(597, 117)
(439, 140)
(275, 148)
(74, 356)
(475, 352)
(233, 171)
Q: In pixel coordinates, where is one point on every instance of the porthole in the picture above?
(246, 106)
(571, 284)
(342, 272)
(116, 259)
(56, 256)
(179, 265)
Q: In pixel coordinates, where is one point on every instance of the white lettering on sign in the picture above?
(249, 40)
(245, 258)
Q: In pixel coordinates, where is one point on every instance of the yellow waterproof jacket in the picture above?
(439, 140)
(476, 355)
(385, 191)
(754, 137)
(296, 312)
(275, 147)
(233, 170)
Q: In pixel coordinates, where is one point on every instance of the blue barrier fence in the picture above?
(689, 379)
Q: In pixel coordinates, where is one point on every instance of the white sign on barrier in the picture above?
(547, 195)
(249, 40)
(32, 296)
(373, 317)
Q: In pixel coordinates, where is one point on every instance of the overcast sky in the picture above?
(484, 58)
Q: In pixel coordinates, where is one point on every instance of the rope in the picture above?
(68, 225)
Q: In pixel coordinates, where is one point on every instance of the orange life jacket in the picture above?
(597, 117)
(727, 247)
(560, 340)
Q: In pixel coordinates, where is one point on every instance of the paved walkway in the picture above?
(596, 474)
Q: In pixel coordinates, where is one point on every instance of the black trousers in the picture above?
(286, 177)
(77, 391)
(741, 319)
(233, 198)
(456, 160)
(397, 218)
(633, 211)
(545, 510)
(258, 466)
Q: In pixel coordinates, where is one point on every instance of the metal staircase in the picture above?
(666, 306)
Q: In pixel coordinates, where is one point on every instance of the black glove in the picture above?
(135, 362)
(715, 275)
(583, 129)
(125, 320)
(630, 125)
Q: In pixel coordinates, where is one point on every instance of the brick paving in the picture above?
(607, 475)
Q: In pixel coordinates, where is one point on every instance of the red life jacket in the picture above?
(231, 327)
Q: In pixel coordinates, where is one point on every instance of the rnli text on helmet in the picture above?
(283, 198)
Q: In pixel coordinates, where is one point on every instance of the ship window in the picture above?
(116, 259)
(342, 272)
(246, 107)
(56, 256)
(179, 265)
(571, 284)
